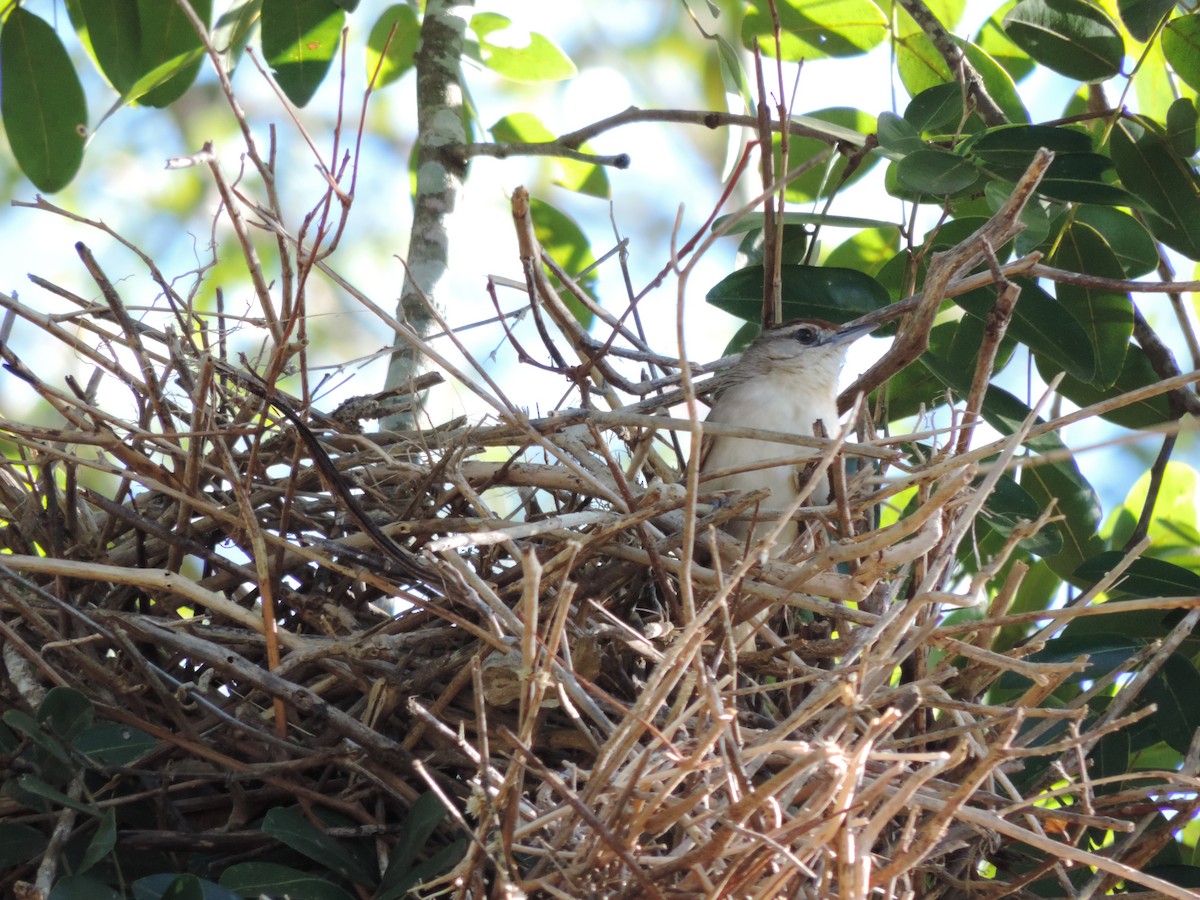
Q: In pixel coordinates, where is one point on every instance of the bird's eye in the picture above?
(807, 335)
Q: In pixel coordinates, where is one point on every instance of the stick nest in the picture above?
(531, 620)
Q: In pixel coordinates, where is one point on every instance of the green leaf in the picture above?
(563, 239)
(1181, 46)
(112, 32)
(21, 721)
(1008, 506)
(395, 57)
(1070, 37)
(818, 292)
(575, 175)
(792, 248)
(290, 827)
(252, 879)
(231, 34)
(160, 75)
(1126, 237)
(936, 172)
(815, 30)
(1174, 691)
(1174, 527)
(1150, 167)
(299, 40)
(168, 37)
(41, 101)
(111, 744)
(921, 67)
(1141, 17)
(516, 55)
(1107, 317)
(992, 40)
(821, 181)
(19, 843)
(753, 221)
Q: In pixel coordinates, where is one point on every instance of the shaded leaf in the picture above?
(898, 135)
(1144, 578)
(1041, 324)
(1181, 127)
(1070, 37)
(819, 292)
(299, 40)
(1126, 237)
(251, 879)
(290, 827)
(168, 36)
(65, 711)
(110, 28)
(1107, 317)
(82, 887)
(112, 744)
(102, 842)
(938, 108)
(168, 886)
(1141, 17)
(1136, 372)
(19, 843)
(936, 172)
(41, 101)
(1174, 691)
(1059, 483)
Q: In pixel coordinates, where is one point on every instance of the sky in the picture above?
(674, 173)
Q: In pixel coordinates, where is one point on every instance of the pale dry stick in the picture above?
(491, 604)
(153, 580)
(771, 593)
(1103, 609)
(499, 530)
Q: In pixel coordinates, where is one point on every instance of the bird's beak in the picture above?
(851, 332)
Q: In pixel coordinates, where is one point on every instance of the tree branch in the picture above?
(440, 172)
(960, 67)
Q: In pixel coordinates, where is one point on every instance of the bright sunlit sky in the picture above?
(674, 168)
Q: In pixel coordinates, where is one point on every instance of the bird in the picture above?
(785, 381)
